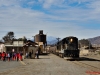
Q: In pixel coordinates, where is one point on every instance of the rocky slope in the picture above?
(95, 40)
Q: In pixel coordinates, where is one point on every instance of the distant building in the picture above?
(17, 46)
(30, 46)
(84, 43)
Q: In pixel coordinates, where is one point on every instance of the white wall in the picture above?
(2, 48)
(84, 52)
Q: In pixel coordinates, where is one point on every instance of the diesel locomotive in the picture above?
(67, 48)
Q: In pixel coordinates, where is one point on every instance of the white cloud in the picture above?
(61, 3)
(27, 22)
(31, 3)
(8, 3)
(49, 3)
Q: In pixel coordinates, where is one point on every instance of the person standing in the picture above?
(18, 56)
(37, 54)
(21, 54)
(26, 55)
(8, 56)
(3, 56)
(30, 55)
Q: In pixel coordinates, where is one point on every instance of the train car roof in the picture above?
(67, 38)
(70, 37)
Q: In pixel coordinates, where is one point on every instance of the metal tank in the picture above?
(41, 40)
(40, 37)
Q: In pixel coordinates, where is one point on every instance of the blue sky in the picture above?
(58, 18)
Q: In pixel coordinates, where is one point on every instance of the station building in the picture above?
(19, 46)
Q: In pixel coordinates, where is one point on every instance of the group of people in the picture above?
(11, 56)
(36, 54)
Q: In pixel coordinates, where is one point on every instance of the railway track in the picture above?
(85, 65)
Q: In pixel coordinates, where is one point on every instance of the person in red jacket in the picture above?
(3, 56)
(0, 55)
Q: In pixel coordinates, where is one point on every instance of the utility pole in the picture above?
(58, 42)
(58, 39)
(89, 45)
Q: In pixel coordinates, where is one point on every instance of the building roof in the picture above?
(30, 43)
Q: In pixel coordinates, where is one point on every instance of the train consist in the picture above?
(67, 48)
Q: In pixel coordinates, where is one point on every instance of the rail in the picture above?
(85, 65)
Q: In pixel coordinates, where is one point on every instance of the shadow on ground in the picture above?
(87, 59)
(43, 58)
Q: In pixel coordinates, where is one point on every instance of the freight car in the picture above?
(67, 48)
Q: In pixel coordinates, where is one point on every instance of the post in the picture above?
(58, 41)
(33, 38)
(89, 45)
(24, 53)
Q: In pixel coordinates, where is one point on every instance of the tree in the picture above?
(8, 37)
(84, 42)
(21, 39)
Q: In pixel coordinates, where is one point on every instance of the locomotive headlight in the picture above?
(71, 40)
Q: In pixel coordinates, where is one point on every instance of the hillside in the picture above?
(95, 40)
(51, 40)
